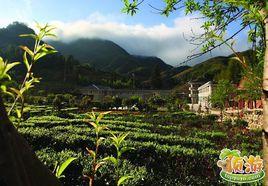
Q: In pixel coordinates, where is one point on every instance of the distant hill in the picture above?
(213, 69)
(9, 35)
(107, 56)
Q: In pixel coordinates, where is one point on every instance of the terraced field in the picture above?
(168, 148)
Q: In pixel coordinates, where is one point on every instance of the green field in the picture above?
(169, 148)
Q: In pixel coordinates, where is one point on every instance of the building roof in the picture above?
(97, 87)
(209, 83)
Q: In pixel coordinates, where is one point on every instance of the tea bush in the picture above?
(168, 149)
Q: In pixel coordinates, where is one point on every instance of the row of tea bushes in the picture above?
(171, 153)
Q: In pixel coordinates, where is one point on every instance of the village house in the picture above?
(204, 95)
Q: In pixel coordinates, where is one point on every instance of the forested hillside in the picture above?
(213, 69)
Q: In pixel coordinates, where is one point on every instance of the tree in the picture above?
(218, 16)
(221, 94)
(156, 80)
(156, 101)
(58, 102)
(85, 103)
(117, 102)
(131, 102)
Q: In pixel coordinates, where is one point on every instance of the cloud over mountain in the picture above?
(165, 42)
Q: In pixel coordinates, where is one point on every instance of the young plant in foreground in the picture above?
(118, 143)
(26, 169)
(30, 58)
(96, 164)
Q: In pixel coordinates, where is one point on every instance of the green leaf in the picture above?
(235, 153)
(99, 118)
(122, 137)
(100, 140)
(63, 166)
(9, 66)
(43, 53)
(91, 153)
(224, 153)
(125, 149)
(93, 124)
(118, 140)
(26, 49)
(111, 159)
(3, 88)
(18, 93)
(19, 114)
(99, 164)
(123, 179)
(28, 35)
(25, 61)
(5, 67)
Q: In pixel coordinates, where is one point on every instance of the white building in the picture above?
(204, 95)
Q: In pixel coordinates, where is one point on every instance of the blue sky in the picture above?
(70, 10)
(146, 33)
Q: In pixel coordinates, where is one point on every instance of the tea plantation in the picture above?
(168, 148)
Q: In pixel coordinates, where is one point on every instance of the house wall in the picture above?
(98, 95)
(193, 92)
(204, 94)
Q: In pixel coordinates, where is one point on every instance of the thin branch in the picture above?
(194, 56)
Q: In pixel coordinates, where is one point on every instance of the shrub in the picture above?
(85, 103)
(117, 102)
(156, 101)
(58, 102)
(241, 123)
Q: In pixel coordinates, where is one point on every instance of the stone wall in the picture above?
(98, 95)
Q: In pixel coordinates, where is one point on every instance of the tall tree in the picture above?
(218, 16)
(221, 94)
(156, 80)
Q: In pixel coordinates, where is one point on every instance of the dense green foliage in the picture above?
(179, 148)
(222, 93)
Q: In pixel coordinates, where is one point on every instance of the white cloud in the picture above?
(159, 40)
(166, 42)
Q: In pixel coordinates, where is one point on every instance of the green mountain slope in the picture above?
(9, 35)
(108, 56)
(213, 69)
